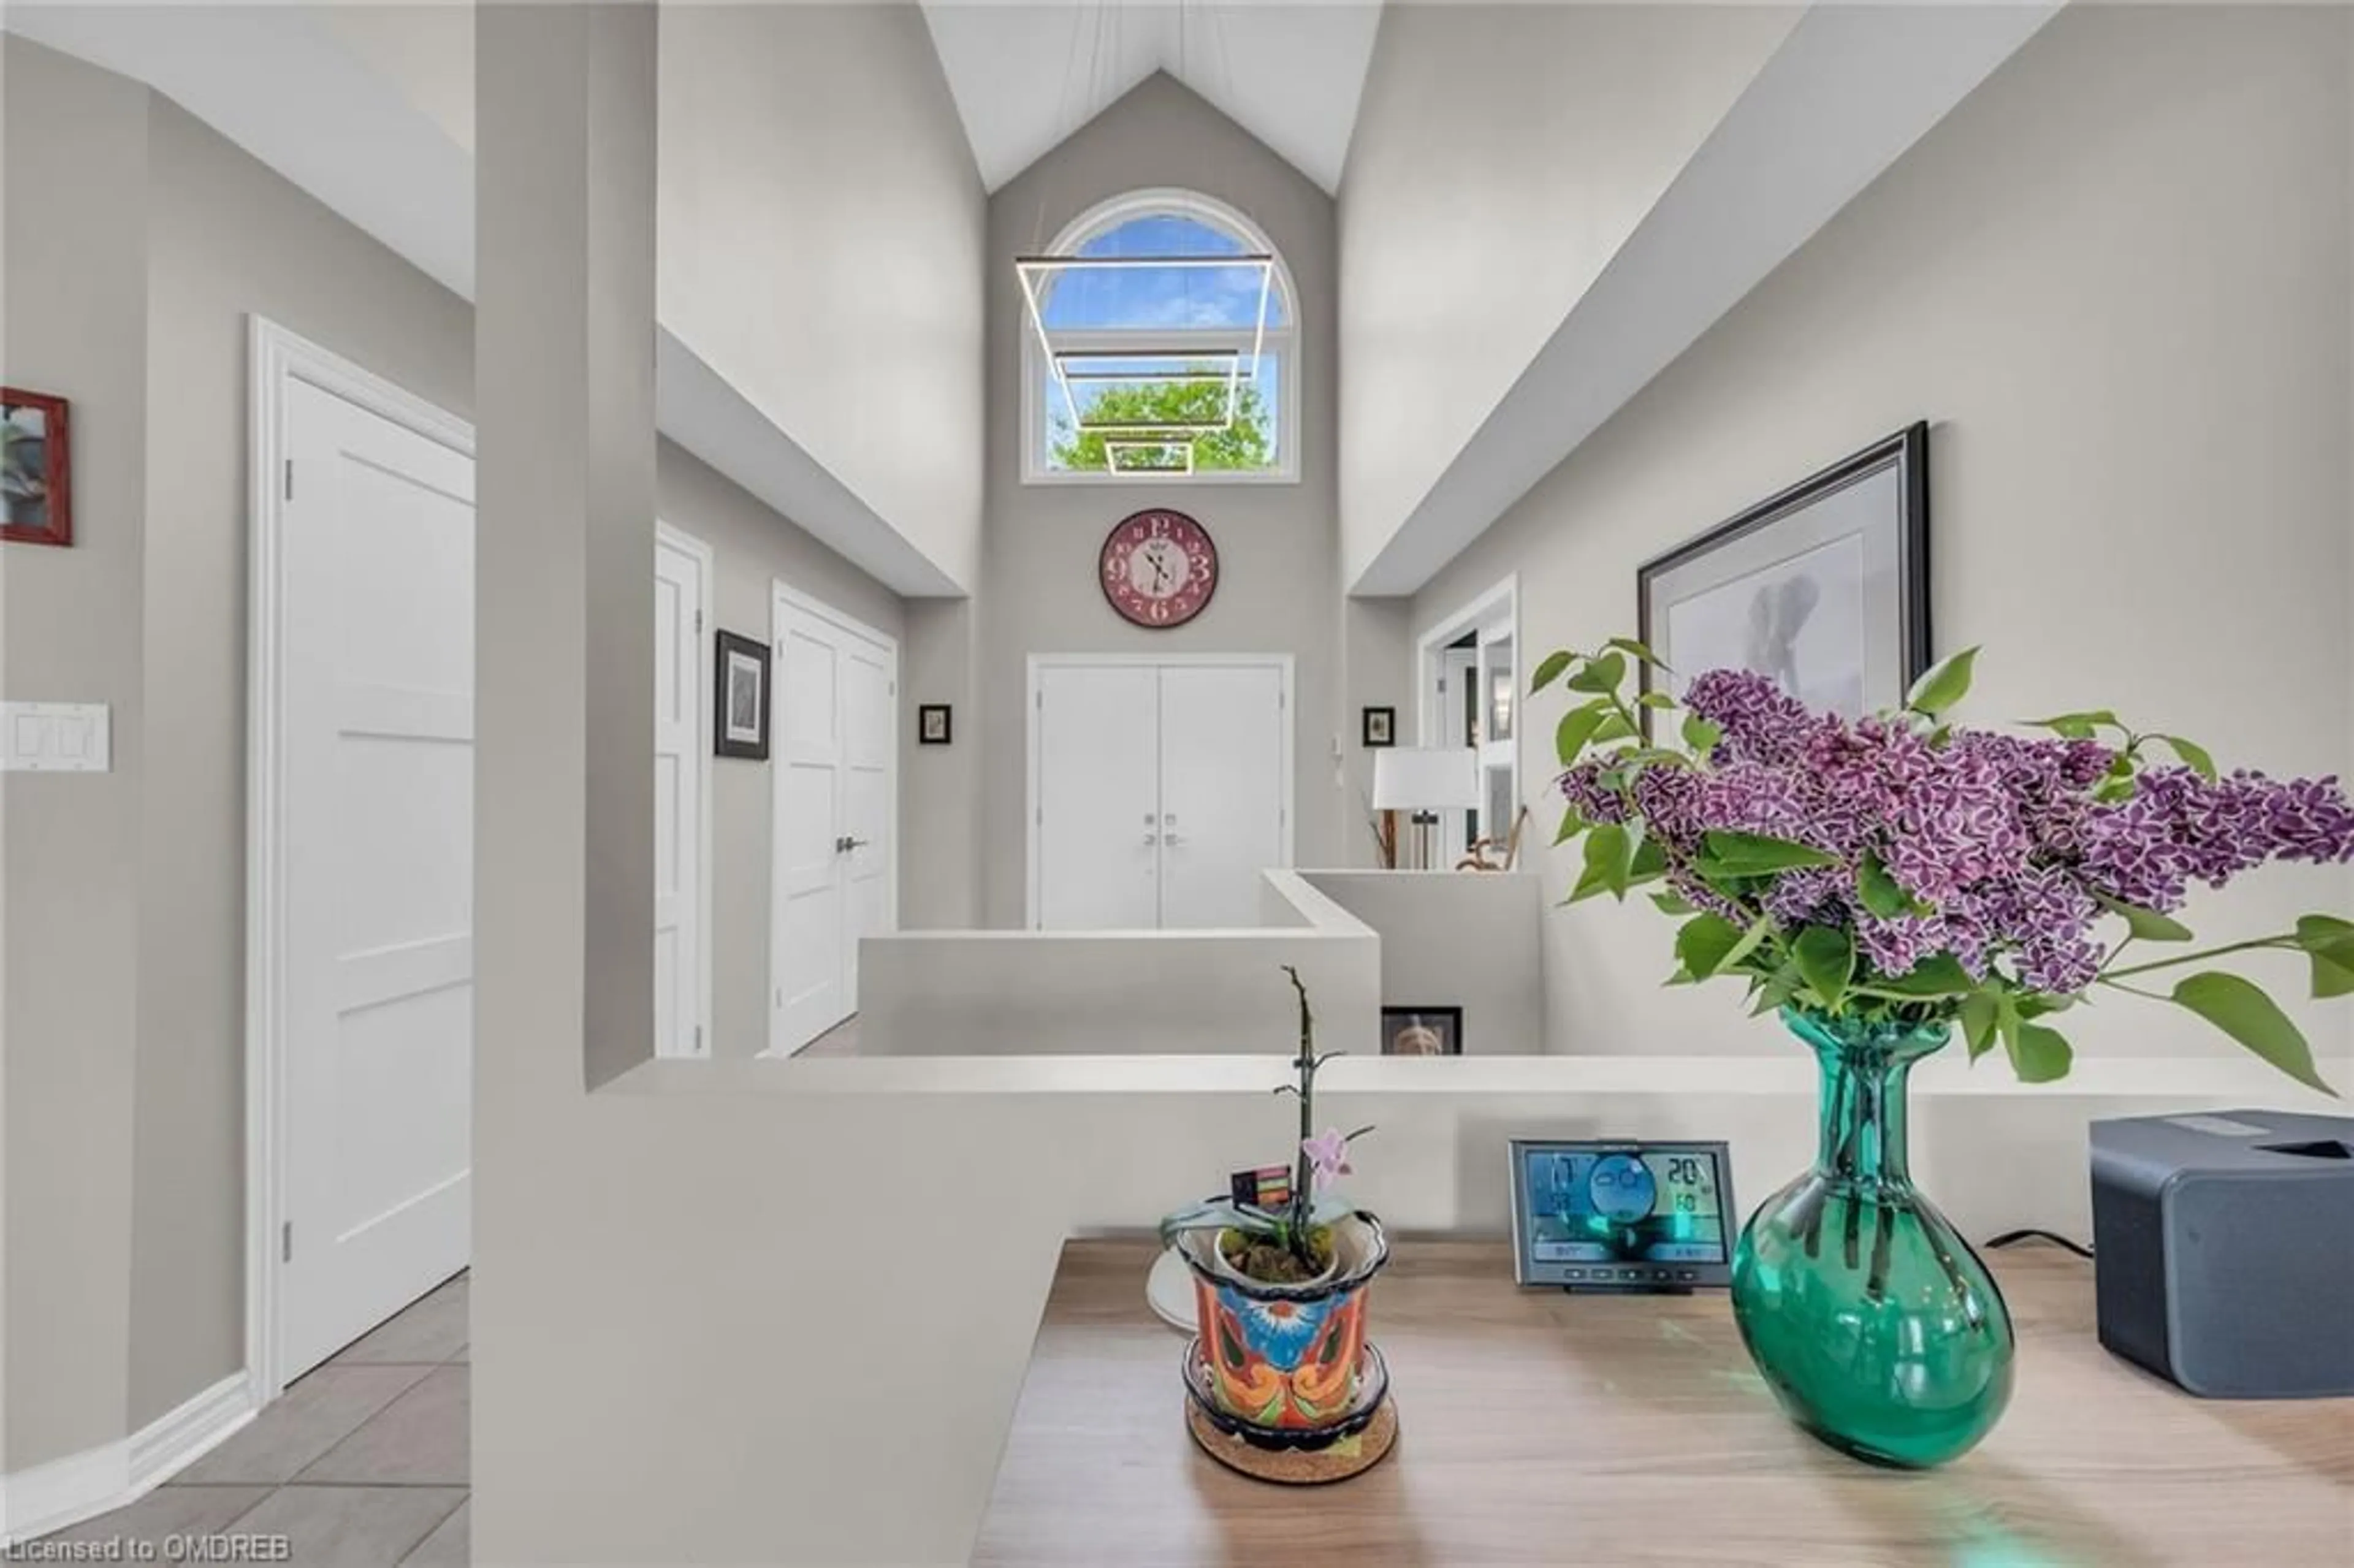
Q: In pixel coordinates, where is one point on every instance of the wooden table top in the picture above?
(1540, 1427)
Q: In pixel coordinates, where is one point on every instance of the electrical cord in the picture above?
(2009, 1237)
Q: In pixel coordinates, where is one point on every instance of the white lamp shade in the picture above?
(1425, 778)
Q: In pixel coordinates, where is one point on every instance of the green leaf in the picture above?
(1628, 645)
(1576, 728)
(1939, 974)
(1572, 822)
(1699, 734)
(2037, 1055)
(1609, 856)
(1978, 1021)
(1759, 929)
(2193, 756)
(1755, 854)
(2147, 924)
(1614, 727)
(2077, 727)
(1671, 904)
(1943, 684)
(1880, 893)
(1648, 862)
(1656, 700)
(2242, 1010)
(2328, 943)
(1704, 942)
(1602, 674)
(1826, 959)
(1682, 977)
(1778, 990)
(1550, 670)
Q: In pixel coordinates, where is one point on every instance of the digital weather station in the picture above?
(1615, 1215)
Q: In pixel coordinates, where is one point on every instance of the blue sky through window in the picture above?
(1218, 298)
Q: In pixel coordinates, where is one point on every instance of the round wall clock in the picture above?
(1158, 568)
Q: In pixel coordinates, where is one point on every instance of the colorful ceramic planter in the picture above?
(1287, 1356)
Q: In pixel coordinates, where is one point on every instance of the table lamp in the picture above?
(1423, 782)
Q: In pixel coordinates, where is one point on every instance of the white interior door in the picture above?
(1223, 791)
(1096, 825)
(835, 749)
(681, 756)
(378, 672)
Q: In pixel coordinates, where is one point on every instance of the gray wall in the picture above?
(751, 548)
(1501, 155)
(2116, 279)
(814, 170)
(1278, 543)
(124, 1013)
(76, 305)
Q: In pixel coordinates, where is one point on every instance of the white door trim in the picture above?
(277, 360)
(1503, 600)
(783, 596)
(705, 707)
(1034, 697)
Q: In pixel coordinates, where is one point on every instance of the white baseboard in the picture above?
(81, 1486)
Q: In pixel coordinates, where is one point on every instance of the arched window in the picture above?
(1146, 354)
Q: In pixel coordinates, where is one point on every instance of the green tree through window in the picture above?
(1148, 407)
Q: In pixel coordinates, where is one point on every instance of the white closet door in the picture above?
(835, 746)
(378, 705)
(1221, 791)
(679, 755)
(809, 750)
(1098, 796)
(869, 857)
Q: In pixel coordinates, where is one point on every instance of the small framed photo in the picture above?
(933, 725)
(742, 687)
(36, 472)
(1380, 727)
(1422, 1031)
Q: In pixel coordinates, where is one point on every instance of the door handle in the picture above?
(849, 844)
(1150, 839)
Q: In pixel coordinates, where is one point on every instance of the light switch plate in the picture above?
(55, 738)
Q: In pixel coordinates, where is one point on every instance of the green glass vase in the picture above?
(1875, 1325)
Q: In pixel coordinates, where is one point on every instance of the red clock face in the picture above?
(1160, 569)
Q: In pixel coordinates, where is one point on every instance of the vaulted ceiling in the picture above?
(1026, 76)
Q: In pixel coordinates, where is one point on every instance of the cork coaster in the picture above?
(1294, 1467)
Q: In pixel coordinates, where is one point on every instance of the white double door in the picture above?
(1160, 790)
(834, 748)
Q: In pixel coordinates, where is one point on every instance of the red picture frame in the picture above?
(37, 500)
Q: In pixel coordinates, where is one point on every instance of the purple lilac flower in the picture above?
(1581, 787)
(1761, 723)
(1996, 838)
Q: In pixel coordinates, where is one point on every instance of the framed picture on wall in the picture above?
(1379, 727)
(741, 685)
(933, 726)
(1422, 1031)
(36, 470)
(1824, 586)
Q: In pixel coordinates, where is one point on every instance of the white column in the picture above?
(564, 609)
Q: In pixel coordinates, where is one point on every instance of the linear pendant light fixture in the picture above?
(1188, 365)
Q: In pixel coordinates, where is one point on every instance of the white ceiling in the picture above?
(1026, 76)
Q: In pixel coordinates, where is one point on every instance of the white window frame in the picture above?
(1282, 346)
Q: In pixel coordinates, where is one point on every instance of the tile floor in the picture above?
(362, 1464)
(841, 1040)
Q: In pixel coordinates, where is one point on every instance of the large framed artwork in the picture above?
(36, 469)
(1824, 586)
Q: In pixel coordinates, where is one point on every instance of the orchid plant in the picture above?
(1300, 1225)
(1902, 869)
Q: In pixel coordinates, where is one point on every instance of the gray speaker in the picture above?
(2223, 1250)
